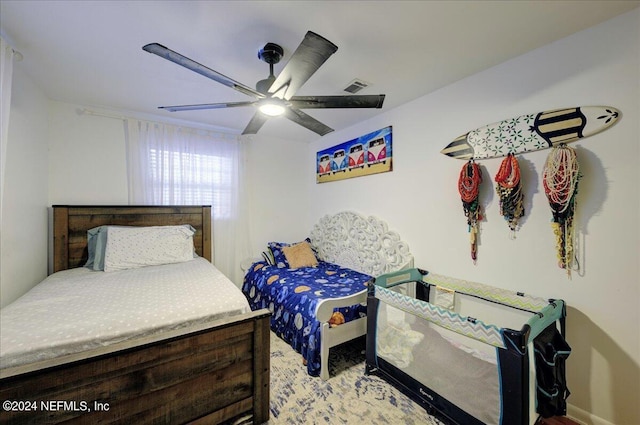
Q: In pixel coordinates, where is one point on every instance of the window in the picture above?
(169, 165)
(192, 179)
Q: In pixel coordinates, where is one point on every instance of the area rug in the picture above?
(347, 397)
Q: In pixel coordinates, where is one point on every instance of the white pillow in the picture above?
(134, 247)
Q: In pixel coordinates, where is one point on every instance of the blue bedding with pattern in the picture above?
(292, 296)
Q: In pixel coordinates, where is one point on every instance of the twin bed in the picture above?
(172, 342)
(319, 301)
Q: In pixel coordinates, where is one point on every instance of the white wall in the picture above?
(419, 199)
(87, 163)
(23, 261)
(279, 197)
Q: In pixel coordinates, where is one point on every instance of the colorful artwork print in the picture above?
(368, 154)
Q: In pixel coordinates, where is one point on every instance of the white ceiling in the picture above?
(90, 52)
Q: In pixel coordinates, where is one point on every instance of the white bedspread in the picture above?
(80, 309)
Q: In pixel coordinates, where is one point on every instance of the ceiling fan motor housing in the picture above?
(263, 85)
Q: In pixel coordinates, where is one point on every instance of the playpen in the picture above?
(467, 352)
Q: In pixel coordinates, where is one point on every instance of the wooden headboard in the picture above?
(71, 222)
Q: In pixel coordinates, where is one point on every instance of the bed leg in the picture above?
(324, 352)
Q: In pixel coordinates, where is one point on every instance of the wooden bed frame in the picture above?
(202, 374)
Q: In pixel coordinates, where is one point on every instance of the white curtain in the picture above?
(6, 76)
(169, 165)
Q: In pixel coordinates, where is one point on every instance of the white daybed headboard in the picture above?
(364, 244)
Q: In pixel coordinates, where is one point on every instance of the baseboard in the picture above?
(585, 418)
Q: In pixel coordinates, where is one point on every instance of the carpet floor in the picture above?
(348, 397)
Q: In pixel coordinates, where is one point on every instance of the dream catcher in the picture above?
(509, 189)
(469, 188)
(560, 180)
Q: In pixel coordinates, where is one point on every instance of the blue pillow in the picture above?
(96, 244)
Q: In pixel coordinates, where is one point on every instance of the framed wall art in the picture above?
(365, 155)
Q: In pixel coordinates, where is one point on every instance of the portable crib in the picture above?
(425, 336)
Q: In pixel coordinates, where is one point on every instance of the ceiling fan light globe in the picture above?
(271, 109)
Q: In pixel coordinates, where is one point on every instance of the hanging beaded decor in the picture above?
(509, 191)
(469, 188)
(560, 180)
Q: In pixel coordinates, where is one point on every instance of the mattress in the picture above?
(80, 309)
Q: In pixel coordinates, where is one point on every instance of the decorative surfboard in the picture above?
(532, 132)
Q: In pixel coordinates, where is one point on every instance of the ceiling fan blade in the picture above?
(307, 121)
(175, 57)
(353, 101)
(305, 61)
(205, 106)
(257, 121)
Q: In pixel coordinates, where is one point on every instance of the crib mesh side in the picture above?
(441, 360)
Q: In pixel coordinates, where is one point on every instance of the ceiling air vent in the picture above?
(355, 86)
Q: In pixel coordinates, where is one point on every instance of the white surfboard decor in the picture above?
(532, 132)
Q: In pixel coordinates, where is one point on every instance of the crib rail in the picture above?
(545, 312)
(504, 297)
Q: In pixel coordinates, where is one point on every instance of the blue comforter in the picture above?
(292, 296)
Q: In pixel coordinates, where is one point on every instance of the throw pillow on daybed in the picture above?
(300, 255)
(279, 259)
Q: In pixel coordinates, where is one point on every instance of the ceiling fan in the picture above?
(275, 96)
